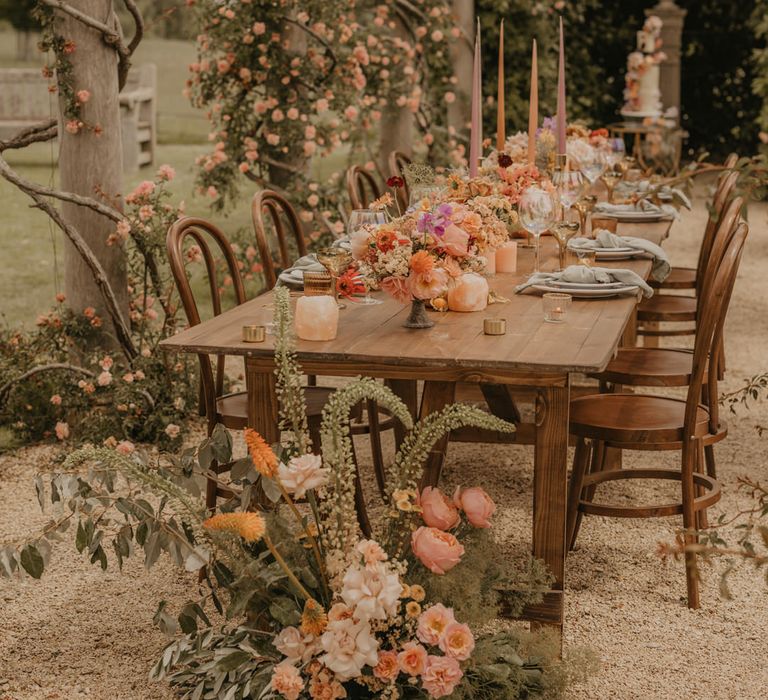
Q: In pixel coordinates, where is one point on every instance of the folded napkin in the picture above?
(644, 205)
(627, 189)
(306, 263)
(605, 239)
(581, 274)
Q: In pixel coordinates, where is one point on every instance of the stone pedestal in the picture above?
(673, 18)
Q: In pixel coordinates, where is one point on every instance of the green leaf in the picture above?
(233, 661)
(163, 620)
(101, 556)
(284, 611)
(31, 561)
(271, 489)
(40, 491)
(80, 537)
(141, 534)
(8, 563)
(240, 468)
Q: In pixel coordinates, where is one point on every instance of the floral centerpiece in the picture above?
(314, 609)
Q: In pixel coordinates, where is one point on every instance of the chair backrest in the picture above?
(397, 161)
(709, 330)
(207, 237)
(722, 196)
(361, 187)
(285, 222)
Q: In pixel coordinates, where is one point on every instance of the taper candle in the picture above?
(476, 130)
(561, 95)
(533, 106)
(501, 135)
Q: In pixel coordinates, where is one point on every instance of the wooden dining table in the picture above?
(533, 356)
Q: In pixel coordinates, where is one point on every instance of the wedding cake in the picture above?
(642, 94)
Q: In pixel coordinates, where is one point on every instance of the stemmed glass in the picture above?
(610, 178)
(592, 166)
(615, 151)
(336, 261)
(563, 231)
(569, 185)
(585, 206)
(538, 209)
(365, 220)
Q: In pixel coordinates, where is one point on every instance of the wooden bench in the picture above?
(25, 101)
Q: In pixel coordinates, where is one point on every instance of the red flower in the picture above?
(350, 284)
(504, 160)
(395, 181)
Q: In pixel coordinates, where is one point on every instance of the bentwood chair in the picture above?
(281, 213)
(656, 423)
(231, 410)
(673, 367)
(676, 308)
(685, 277)
(397, 162)
(362, 187)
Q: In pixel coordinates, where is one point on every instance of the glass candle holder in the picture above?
(556, 307)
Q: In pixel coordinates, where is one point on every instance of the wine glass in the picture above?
(592, 165)
(336, 261)
(365, 220)
(615, 151)
(569, 185)
(610, 178)
(537, 213)
(585, 206)
(563, 231)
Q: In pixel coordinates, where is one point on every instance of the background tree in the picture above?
(19, 13)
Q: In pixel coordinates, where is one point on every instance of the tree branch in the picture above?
(138, 21)
(6, 388)
(44, 131)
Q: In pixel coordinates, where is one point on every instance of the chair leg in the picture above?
(314, 435)
(580, 461)
(376, 452)
(709, 458)
(702, 521)
(689, 520)
(360, 507)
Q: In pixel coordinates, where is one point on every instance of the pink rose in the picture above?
(455, 241)
(62, 430)
(287, 680)
(439, 551)
(83, 96)
(56, 400)
(125, 447)
(457, 641)
(476, 504)
(428, 285)
(442, 676)
(388, 668)
(413, 659)
(437, 510)
(433, 622)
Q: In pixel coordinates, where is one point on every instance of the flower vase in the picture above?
(417, 318)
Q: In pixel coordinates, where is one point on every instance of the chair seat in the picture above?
(665, 307)
(633, 419)
(649, 367)
(678, 278)
(232, 409)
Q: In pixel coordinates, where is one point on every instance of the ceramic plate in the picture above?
(630, 217)
(586, 285)
(589, 293)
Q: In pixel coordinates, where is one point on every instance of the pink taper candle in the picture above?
(476, 131)
(561, 95)
(501, 135)
(533, 107)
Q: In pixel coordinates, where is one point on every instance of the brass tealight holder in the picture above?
(254, 334)
(495, 326)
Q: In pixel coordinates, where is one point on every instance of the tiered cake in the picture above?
(642, 94)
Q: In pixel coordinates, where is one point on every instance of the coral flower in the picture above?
(397, 288)
(287, 681)
(250, 526)
(264, 459)
(441, 676)
(386, 240)
(437, 510)
(476, 504)
(429, 284)
(433, 622)
(313, 619)
(387, 669)
(457, 641)
(439, 551)
(422, 262)
(413, 659)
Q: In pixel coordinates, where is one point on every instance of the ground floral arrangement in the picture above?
(312, 609)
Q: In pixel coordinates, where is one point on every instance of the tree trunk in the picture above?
(462, 58)
(88, 160)
(396, 132)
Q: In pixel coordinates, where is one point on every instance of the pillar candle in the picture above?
(561, 95)
(533, 107)
(316, 318)
(501, 135)
(476, 131)
(490, 262)
(506, 257)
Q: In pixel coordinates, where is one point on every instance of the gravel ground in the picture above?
(84, 633)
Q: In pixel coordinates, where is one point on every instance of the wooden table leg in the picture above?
(550, 485)
(436, 396)
(406, 391)
(262, 402)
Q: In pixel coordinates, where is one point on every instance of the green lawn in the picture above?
(31, 266)
(178, 121)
